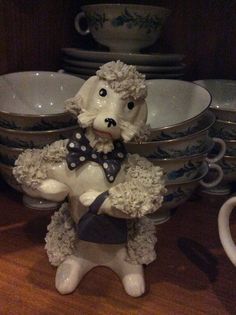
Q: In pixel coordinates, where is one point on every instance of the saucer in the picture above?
(95, 66)
(140, 59)
(91, 72)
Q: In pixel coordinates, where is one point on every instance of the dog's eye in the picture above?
(130, 105)
(103, 92)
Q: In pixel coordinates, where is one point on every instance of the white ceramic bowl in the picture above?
(203, 121)
(223, 97)
(34, 139)
(123, 27)
(186, 146)
(34, 100)
(173, 105)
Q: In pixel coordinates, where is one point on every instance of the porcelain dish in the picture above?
(129, 58)
(122, 27)
(34, 100)
(34, 139)
(174, 102)
(81, 64)
(223, 97)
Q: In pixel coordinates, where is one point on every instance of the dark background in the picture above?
(33, 31)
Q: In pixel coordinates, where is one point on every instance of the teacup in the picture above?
(122, 27)
(177, 170)
(224, 229)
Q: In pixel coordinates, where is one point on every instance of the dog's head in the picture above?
(112, 103)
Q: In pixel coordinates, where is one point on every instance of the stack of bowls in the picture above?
(179, 139)
(32, 114)
(224, 107)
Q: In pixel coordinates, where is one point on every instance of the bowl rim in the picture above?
(180, 139)
(226, 122)
(37, 132)
(189, 119)
(6, 113)
(210, 146)
(219, 80)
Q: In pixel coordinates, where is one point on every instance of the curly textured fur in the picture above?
(140, 194)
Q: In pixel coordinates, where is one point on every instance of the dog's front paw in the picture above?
(88, 197)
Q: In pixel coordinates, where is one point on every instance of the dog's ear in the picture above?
(85, 91)
(80, 100)
(141, 117)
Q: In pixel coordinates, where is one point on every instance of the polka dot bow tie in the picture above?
(80, 151)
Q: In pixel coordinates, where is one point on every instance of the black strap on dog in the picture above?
(101, 228)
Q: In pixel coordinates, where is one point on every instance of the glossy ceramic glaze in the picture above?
(123, 27)
(172, 103)
(178, 193)
(224, 229)
(33, 139)
(185, 146)
(181, 169)
(34, 100)
(203, 121)
(223, 97)
(224, 129)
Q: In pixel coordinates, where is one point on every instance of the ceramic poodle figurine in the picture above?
(109, 192)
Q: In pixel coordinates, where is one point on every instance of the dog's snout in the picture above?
(110, 122)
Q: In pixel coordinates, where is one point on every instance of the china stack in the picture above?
(32, 114)
(224, 107)
(124, 29)
(179, 141)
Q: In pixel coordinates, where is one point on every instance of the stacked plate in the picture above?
(32, 114)
(179, 139)
(85, 63)
(224, 106)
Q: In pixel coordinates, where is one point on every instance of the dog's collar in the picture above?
(80, 151)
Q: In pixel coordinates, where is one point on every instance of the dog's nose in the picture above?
(110, 122)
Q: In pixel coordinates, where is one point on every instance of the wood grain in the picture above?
(192, 274)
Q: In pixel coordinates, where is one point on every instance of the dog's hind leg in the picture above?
(70, 273)
(131, 275)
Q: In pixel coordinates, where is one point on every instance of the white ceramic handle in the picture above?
(221, 153)
(216, 181)
(224, 229)
(78, 17)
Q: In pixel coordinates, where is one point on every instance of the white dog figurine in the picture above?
(109, 191)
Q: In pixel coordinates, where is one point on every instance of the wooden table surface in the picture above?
(191, 275)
